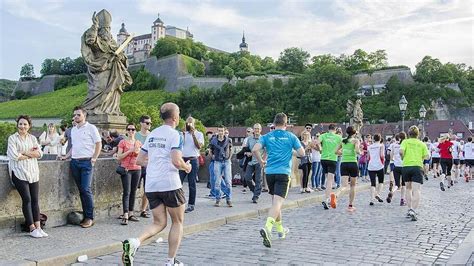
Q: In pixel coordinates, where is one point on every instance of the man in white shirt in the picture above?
(85, 149)
(193, 141)
(469, 158)
(456, 160)
(162, 155)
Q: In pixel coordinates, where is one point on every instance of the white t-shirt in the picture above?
(434, 150)
(456, 149)
(161, 174)
(315, 155)
(83, 140)
(375, 163)
(469, 151)
(189, 149)
(397, 159)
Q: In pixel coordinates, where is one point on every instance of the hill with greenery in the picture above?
(7, 86)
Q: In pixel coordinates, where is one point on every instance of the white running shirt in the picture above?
(397, 159)
(456, 149)
(469, 151)
(375, 162)
(161, 174)
(434, 150)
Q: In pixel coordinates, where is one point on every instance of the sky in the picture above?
(408, 30)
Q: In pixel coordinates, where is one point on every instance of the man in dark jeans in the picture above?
(193, 141)
(253, 167)
(86, 146)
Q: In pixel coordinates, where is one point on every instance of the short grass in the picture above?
(60, 103)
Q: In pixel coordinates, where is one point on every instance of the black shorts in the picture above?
(446, 166)
(329, 166)
(278, 184)
(397, 175)
(456, 161)
(469, 162)
(373, 174)
(462, 162)
(172, 199)
(435, 160)
(412, 174)
(349, 169)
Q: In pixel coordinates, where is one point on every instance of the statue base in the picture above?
(108, 122)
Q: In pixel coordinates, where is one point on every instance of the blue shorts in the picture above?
(426, 161)
(392, 167)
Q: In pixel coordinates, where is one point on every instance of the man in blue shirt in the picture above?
(279, 145)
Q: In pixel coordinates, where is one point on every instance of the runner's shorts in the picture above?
(446, 166)
(329, 166)
(470, 162)
(412, 174)
(462, 162)
(278, 184)
(435, 160)
(426, 161)
(397, 175)
(172, 199)
(350, 169)
(456, 161)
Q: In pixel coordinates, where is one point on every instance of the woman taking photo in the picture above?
(50, 141)
(129, 172)
(305, 164)
(23, 152)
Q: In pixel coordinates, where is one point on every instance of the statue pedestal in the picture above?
(108, 122)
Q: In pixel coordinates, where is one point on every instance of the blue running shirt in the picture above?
(279, 145)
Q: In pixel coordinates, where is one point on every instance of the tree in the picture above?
(268, 64)
(293, 59)
(228, 72)
(50, 67)
(378, 59)
(27, 71)
(322, 60)
(67, 66)
(79, 65)
(243, 65)
(165, 46)
(426, 69)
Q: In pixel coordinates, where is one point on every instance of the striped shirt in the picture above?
(26, 170)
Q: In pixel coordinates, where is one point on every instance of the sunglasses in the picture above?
(130, 129)
(249, 131)
(148, 123)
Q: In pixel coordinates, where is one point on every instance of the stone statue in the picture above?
(355, 114)
(107, 71)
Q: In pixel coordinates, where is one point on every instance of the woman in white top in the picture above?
(376, 152)
(316, 164)
(50, 140)
(435, 158)
(397, 169)
(23, 152)
(469, 158)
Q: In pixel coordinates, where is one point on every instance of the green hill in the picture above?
(61, 102)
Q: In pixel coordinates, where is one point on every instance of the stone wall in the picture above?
(382, 76)
(45, 84)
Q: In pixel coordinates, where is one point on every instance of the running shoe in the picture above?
(402, 202)
(36, 233)
(413, 216)
(333, 200)
(389, 197)
(218, 203)
(282, 235)
(351, 209)
(378, 198)
(267, 242)
(176, 263)
(426, 177)
(43, 233)
(409, 213)
(325, 205)
(323, 187)
(130, 247)
(244, 191)
(371, 203)
(441, 186)
(452, 183)
(390, 188)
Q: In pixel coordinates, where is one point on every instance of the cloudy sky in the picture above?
(408, 30)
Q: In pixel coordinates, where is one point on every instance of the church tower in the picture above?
(157, 31)
(122, 35)
(243, 46)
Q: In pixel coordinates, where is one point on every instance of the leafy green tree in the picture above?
(6, 129)
(322, 60)
(293, 59)
(50, 67)
(268, 64)
(165, 46)
(427, 69)
(228, 72)
(27, 71)
(243, 65)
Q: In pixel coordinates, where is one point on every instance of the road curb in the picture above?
(465, 250)
(188, 229)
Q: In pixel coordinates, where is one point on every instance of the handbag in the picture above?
(121, 170)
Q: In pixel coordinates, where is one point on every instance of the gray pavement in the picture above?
(377, 234)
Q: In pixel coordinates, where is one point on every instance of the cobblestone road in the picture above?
(373, 234)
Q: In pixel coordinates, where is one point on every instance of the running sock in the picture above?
(170, 261)
(279, 226)
(269, 223)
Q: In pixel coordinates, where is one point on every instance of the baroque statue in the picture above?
(355, 114)
(106, 67)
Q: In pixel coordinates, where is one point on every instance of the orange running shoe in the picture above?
(333, 200)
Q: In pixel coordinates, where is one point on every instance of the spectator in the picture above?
(50, 141)
(221, 151)
(145, 126)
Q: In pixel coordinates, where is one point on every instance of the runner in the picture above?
(413, 152)
(376, 153)
(279, 145)
(426, 163)
(456, 160)
(397, 170)
(435, 158)
(161, 152)
(329, 143)
(349, 149)
(469, 158)
(445, 147)
(462, 161)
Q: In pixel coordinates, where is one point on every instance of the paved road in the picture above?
(373, 234)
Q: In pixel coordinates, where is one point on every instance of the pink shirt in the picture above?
(129, 162)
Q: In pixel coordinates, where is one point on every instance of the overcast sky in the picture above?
(408, 30)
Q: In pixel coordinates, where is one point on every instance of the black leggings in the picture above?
(306, 169)
(373, 174)
(129, 184)
(29, 197)
(446, 166)
(397, 175)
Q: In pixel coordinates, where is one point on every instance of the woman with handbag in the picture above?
(23, 154)
(50, 142)
(305, 164)
(129, 172)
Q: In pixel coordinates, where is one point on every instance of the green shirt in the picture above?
(140, 137)
(329, 142)
(348, 152)
(414, 151)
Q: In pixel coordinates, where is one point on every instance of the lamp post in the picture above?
(402, 104)
(422, 113)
